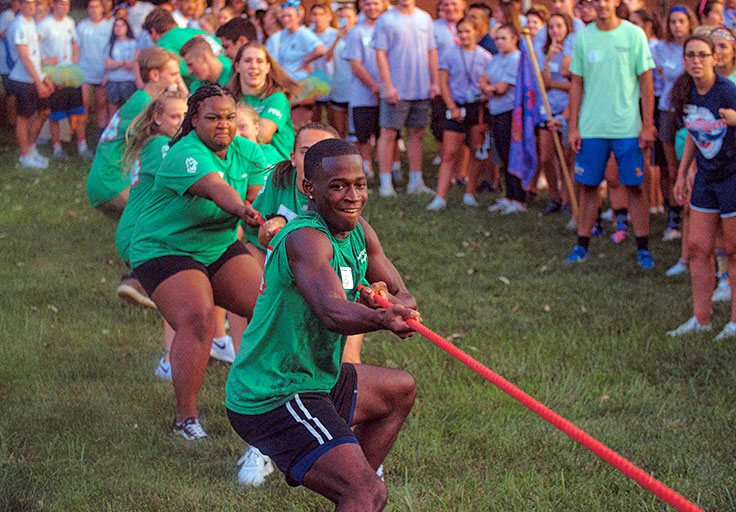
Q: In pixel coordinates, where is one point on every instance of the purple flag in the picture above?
(528, 112)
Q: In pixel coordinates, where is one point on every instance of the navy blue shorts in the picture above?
(715, 196)
(306, 427)
(590, 163)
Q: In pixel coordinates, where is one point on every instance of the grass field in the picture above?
(84, 424)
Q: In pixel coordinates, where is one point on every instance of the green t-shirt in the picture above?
(178, 222)
(142, 177)
(177, 37)
(286, 348)
(610, 63)
(276, 108)
(227, 72)
(106, 179)
(272, 155)
(275, 200)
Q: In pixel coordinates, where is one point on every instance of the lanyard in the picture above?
(453, 32)
(468, 73)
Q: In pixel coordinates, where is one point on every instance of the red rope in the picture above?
(644, 479)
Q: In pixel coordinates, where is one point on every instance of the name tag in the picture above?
(347, 277)
(554, 67)
(594, 56)
(287, 214)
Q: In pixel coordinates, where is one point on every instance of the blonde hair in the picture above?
(277, 79)
(144, 127)
(152, 58)
(248, 110)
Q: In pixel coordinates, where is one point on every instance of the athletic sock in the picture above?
(396, 167)
(82, 145)
(57, 145)
(721, 262)
(583, 241)
(598, 219)
(642, 243)
(621, 219)
(677, 215)
(385, 180)
(415, 178)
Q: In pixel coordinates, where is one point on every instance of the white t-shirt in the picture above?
(137, 15)
(294, 48)
(24, 33)
(92, 37)
(180, 19)
(358, 47)
(406, 39)
(328, 38)
(56, 38)
(6, 18)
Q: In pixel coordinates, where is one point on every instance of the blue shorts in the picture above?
(590, 163)
(715, 196)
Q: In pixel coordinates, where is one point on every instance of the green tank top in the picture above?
(274, 200)
(287, 349)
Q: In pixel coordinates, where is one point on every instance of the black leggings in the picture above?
(501, 131)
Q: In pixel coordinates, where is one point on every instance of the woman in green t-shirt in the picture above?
(259, 81)
(185, 251)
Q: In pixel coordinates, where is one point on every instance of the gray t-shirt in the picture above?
(92, 37)
(24, 33)
(294, 48)
(358, 47)
(137, 15)
(503, 68)
(406, 39)
(121, 50)
(6, 18)
(465, 69)
(56, 38)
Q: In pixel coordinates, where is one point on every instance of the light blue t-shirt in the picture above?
(294, 48)
(121, 50)
(342, 76)
(503, 68)
(328, 38)
(541, 37)
(23, 32)
(656, 77)
(445, 35)
(358, 47)
(57, 38)
(6, 18)
(465, 70)
(92, 37)
(558, 99)
(273, 43)
(667, 58)
(406, 39)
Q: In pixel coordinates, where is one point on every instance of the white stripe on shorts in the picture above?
(310, 417)
(305, 423)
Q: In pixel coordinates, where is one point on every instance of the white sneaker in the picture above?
(379, 472)
(514, 207)
(722, 291)
(572, 225)
(223, 350)
(29, 160)
(501, 204)
(190, 429)
(254, 467)
(163, 369)
(691, 325)
(469, 200)
(437, 160)
(671, 234)
(607, 215)
(59, 154)
(728, 332)
(437, 204)
(39, 157)
(676, 269)
(419, 188)
(387, 191)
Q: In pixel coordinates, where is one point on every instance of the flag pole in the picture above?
(555, 134)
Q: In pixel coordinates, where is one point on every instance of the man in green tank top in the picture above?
(287, 393)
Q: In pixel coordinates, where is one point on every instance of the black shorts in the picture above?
(65, 103)
(306, 427)
(27, 102)
(340, 106)
(154, 272)
(474, 115)
(365, 123)
(437, 119)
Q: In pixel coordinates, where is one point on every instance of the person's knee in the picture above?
(635, 190)
(199, 321)
(404, 391)
(371, 493)
(699, 249)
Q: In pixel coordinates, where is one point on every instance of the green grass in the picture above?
(84, 424)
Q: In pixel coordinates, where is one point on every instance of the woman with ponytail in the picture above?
(705, 102)
(185, 251)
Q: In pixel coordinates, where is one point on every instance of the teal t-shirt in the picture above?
(227, 72)
(276, 200)
(286, 348)
(276, 108)
(175, 221)
(177, 37)
(610, 64)
(142, 177)
(106, 179)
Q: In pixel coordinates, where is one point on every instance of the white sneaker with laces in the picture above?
(254, 467)
(691, 325)
(163, 369)
(223, 349)
(39, 157)
(190, 429)
(469, 200)
(722, 291)
(501, 204)
(437, 204)
(419, 188)
(514, 207)
(676, 269)
(387, 191)
(29, 160)
(728, 332)
(671, 234)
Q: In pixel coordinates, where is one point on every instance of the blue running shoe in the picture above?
(578, 254)
(644, 259)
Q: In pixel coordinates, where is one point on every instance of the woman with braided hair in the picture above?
(185, 251)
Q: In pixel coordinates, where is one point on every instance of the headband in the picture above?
(725, 34)
(701, 9)
(291, 3)
(677, 8)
